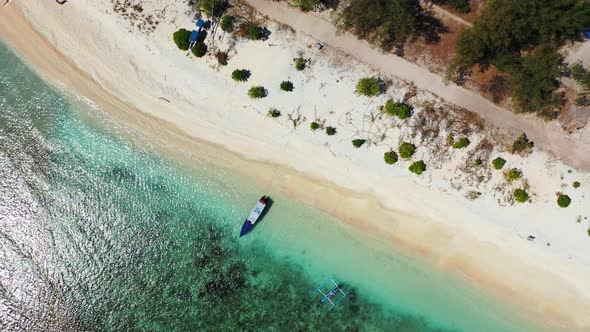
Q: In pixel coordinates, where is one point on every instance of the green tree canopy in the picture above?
(212, 7)
(521, 37)
(388, 23)
(227, 23)
(181, 39)
(199, 50)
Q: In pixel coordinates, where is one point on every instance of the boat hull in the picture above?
(246, 227)
(254, 215)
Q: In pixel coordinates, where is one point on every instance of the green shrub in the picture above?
(399, 109)
(212, 7)
(588, 231)
(499, 163)
(199, 50)
(240, 75)
(576, 184)
(274, 113)
(583, 99)
(520, 195)
(404, 111)
(389, 23)
(390, 157)
(513, 174)
(521, 144)
(300, 63)
(563, 200)
(390, 107)
(418, 167)
(450, 139)
(368, 86)
(461, 143)
(257, 92)
(181, 39)
(287, 86)
(461, 6)
(406, 150)
(227, 23)
(306, 5)
(357, 143)
(330, 131)
(314, 126)
(255, 32)
(478, 162)
(221, 58)
(522, 38)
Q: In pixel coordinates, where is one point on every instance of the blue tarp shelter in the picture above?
(200, 23)
(194, 36)
(587, 33)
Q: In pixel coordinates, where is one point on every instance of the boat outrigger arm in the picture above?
(329, 295)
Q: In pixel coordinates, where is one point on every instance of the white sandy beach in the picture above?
(484, 239)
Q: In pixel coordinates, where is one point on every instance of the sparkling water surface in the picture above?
(99, 232)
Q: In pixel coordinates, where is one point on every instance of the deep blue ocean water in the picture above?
(99, 232)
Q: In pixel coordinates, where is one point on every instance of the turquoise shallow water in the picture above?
(99, 232)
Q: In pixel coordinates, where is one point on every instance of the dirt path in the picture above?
(443, 12)
(573, 149)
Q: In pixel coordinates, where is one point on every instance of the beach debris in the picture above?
(318, 46)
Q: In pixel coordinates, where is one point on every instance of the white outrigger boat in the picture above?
(254, 215)
(333, 295)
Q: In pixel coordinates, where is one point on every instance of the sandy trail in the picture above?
(444, 12)
(572, 149)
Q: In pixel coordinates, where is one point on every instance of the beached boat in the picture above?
(254, 215)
